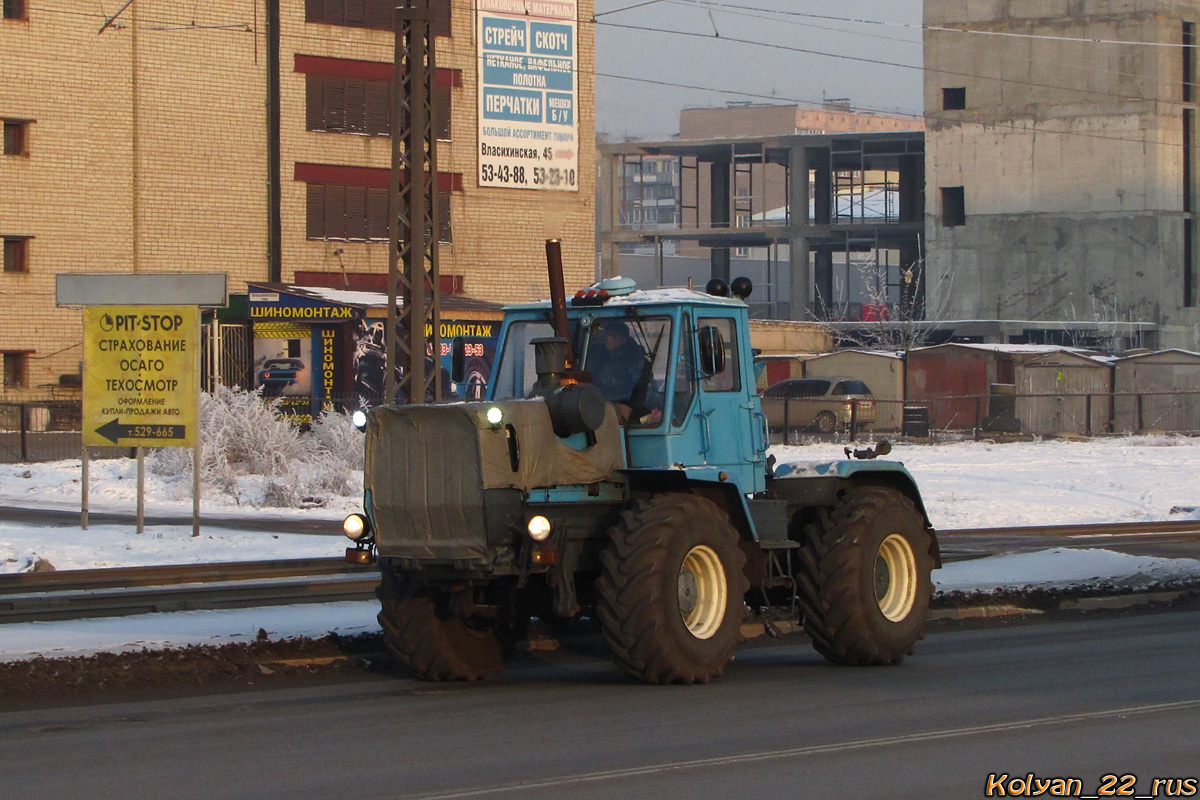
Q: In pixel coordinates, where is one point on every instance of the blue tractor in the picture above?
(617, 469)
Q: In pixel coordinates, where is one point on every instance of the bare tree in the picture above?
(901, 319)
(1110, 326)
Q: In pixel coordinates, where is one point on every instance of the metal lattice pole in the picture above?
(414, 209)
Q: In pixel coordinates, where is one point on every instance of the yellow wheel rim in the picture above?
(895, 578)
(703, 591)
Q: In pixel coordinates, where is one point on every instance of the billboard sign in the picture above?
(141, 380)
(528, 94)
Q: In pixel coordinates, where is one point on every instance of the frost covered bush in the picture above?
(242, 432)
(338, 437)
(252, 452)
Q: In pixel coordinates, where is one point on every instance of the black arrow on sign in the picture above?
(114, 430)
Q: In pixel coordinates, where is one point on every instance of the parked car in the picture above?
(823, 404)
(277, 374)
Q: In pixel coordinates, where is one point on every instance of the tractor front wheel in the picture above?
(429, 640)
(672, 590)
(864, 578)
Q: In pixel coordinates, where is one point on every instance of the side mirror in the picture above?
(712, 351)
(458, 360)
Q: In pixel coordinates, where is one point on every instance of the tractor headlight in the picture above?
(539, 528)
(494, 416)
(359, 418)
(356, 527)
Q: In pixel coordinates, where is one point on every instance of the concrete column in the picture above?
(720, 197)
(818, 160)
(800, 291)
(823, 278)
(608, 211)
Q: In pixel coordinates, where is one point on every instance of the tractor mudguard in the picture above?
(817, 483)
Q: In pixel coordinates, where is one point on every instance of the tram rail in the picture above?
(121, 591)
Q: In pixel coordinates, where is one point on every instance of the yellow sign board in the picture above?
(141, 384)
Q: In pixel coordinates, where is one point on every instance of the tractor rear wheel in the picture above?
(864, 578)
(672, 588)
(429, 640)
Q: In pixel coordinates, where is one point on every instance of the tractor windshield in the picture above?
(627, 359)
(514, 373)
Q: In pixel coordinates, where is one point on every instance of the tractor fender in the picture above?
(818, 483)
(726, 495)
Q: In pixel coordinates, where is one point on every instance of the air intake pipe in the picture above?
(574, 407)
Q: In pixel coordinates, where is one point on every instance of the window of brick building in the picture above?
(14, 9)
(350, 203)
(15, 370)
(374, 14)
(15, 137)
(343, 104)
(358, 213)
(354, 213)
(16, 253)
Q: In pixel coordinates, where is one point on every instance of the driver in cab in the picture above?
(620, 369)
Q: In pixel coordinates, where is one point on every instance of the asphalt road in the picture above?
(1080, 699)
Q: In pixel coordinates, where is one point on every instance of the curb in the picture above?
(977, 612)
(1106, 602)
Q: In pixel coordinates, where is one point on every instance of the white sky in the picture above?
(964, 485)
(649, 54)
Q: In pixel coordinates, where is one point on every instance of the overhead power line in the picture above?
(796, 19)
(465, 49)
(735, 8)
(898, 65)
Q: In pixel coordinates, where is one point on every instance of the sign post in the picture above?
(141, 383)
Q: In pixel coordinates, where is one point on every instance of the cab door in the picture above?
(727, 407)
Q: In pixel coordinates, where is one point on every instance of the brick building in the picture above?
(251, 137)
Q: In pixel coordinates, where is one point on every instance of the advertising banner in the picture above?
(141, 380)
(479, 338)
(528, 94)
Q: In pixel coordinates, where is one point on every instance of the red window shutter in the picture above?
(356, 12)
(444, 229)
(356, 105)
(441, 17)
(314, 11)
(356, 212)
(441, 105)
(378, 14)
(335, 212)
(378, 215)
(335, 104)
(314, 102)
(378, 108)
(335, 10)
(315, 211)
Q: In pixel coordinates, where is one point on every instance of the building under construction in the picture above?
(828, 226)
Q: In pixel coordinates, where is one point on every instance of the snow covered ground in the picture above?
(964, 485)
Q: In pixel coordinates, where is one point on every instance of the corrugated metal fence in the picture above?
(48, 430)
(981, 416)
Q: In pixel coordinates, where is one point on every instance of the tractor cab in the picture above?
(674, 363)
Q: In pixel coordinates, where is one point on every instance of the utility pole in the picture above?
(414, 213)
